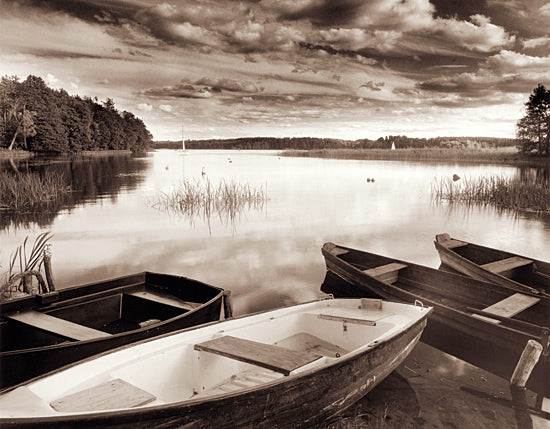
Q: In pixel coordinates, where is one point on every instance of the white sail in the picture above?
(182, 140)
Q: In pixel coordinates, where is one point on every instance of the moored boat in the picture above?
(497, 266)
(289, 367)
(42, 332)
(479, 322)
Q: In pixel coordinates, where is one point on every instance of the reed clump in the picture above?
(17, 281)
(203, 199)
(25, 192)
(518, 194)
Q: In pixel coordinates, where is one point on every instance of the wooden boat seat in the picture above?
(386, 273)
(112, 394)
(347, 319)
(450, 243)
(55, 325)
(502, 265)
(165, 298)
(303, 341)
(268, 356)
(510, 306)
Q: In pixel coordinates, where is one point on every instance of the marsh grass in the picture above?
(501, 155)
(203, 200)
(517, 194)
(25, 192)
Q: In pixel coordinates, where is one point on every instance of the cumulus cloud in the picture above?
(180, 90)
(203, 88)
(513, 62)
(479, 34)
(545, 10)
(144, 107)
(191, 33)
(223, 84)
(254, 36)
(166, 108)
(357, 39)
(52, 80)
(536, 42)
(373, 86)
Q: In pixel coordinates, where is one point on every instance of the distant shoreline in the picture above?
(507, 155)
(24, 154)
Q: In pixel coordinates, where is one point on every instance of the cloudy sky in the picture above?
(330, 68)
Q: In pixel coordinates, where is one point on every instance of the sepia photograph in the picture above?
(320, 214)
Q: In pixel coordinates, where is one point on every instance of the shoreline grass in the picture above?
(517, 194)
(23, 192)
(507, 155)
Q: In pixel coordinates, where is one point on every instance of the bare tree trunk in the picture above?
(24, 127)
(13, 140)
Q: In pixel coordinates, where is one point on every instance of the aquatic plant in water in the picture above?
(202, 200)
(22, 266)
(518, 194)
(30, 191)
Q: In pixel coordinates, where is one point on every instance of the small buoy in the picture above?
(203, 172)
(368, 180)
(372, 180)
(166, 167)
(456, 177)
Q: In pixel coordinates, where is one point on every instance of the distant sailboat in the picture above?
(182, 141)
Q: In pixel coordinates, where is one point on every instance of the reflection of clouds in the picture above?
(266, 300)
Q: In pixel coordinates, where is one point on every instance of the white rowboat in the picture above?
(290, 367)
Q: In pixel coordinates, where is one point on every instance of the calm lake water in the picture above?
(268, 255)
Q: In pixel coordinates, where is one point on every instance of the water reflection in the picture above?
(202, 200)
(90, 178)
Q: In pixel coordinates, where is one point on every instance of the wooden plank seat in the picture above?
(112, 394)
(347, 319)
(305, 342)
(268, 356)
(165, 298)
(507, 264)
(386, 273)
(510, 306)
(56, 325)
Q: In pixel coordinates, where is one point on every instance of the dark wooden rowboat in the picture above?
(42, 332)
(497, 266)
(479, 322)
(286, 368)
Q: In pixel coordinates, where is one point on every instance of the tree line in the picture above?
(313, 143)
(38, 118)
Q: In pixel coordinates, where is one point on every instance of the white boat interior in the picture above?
(218, 359)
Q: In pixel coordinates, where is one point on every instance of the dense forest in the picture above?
(37, 118)
(306, 143)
